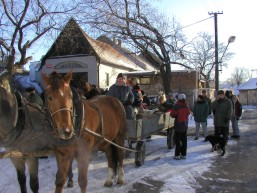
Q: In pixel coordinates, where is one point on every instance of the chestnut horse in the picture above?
(103, 115)
(89, 90)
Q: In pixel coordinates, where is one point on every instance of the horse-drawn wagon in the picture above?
(141, 129)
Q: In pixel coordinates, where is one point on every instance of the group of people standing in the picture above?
(225, 108)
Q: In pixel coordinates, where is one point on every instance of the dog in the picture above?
(217, 142)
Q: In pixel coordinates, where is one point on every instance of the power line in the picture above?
(196, 22)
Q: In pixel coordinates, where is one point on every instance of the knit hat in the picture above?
(200, 96)
(220, 92)
(181, 96)
(120, 75)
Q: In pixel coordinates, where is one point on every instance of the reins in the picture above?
(107, 140)
(92, 105)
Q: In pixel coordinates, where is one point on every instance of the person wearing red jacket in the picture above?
(180, 111)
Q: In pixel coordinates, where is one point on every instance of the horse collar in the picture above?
(19, 120)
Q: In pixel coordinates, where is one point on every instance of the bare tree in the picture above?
(239, 76)
(200, 55)
(23, 23)
(152, 33)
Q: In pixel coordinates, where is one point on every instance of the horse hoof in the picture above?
(70, 184)
(120, 182)
(108, 184)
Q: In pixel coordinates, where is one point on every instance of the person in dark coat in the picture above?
(222, 109)
(138, 97)
(229, 94)
(200, 113)
(123, 92)
(170, 101)
(33, 96)
(207, 99)
(180, 111)
(236, 114)
(146, 99)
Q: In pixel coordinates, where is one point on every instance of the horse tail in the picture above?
(114, 159)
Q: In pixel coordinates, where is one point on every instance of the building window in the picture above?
(107, 79)
(145, 80)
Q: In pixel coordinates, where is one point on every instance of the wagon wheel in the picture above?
(140, 154)
(170, 140)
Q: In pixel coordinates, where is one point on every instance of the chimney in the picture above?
(119, 42)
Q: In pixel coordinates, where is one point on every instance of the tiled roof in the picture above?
(139, 60)
(109, 55)
(108, 52)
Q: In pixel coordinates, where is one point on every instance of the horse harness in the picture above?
(94, 106)
(19, 122)
(77, 119)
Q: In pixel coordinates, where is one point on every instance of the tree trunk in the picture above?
(166, 77)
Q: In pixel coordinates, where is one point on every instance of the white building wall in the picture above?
(74, 64)
(113, 73)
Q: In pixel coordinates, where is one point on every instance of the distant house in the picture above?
(248, 92)
(96, 61)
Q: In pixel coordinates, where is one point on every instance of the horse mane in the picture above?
(55, 81)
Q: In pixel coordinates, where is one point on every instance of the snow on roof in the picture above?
(251, 84)
(143, 73)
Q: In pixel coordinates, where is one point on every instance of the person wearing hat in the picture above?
(180, 111)
(208, 100)
(146, 99)
(200, 113)
(222, 109)
(138, 97)
(170, 101)
(122, 91)
(33, 96)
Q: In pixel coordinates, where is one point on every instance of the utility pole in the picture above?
(216, 50)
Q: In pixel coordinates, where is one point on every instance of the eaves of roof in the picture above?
(110, 55)
(251, 84)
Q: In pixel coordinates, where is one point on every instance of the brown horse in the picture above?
(103, 115)
(89, 90)
(19, 131)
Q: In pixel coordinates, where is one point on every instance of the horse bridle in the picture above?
(62, 109)
(76, 115)
(51, 114)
